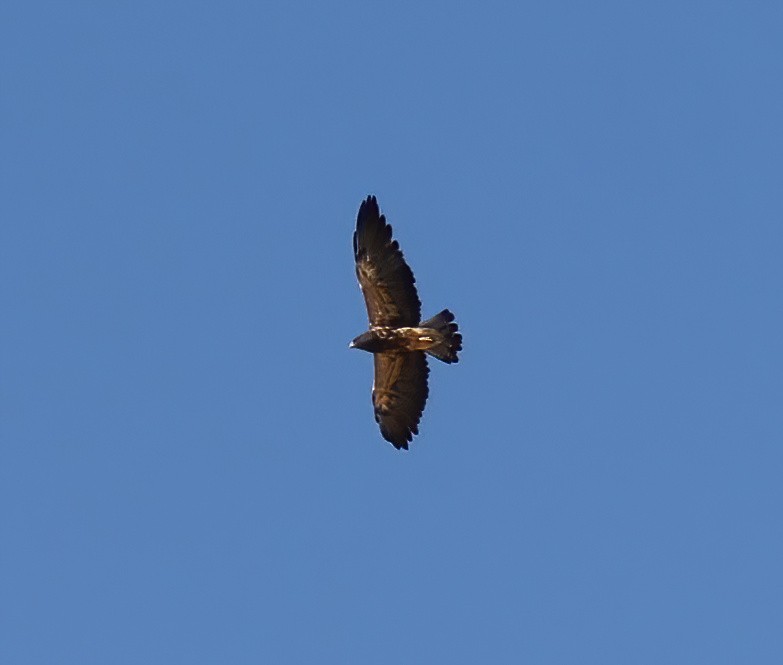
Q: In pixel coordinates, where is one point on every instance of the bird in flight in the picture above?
(398, 339)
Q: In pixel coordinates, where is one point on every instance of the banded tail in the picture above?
(446, 349)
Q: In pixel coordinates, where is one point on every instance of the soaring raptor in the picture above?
(397, 338)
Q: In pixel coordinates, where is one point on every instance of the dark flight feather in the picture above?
(386, 280)
(399, 394)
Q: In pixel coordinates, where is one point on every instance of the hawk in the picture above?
(398, 339)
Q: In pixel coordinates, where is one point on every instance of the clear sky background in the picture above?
(190, 471)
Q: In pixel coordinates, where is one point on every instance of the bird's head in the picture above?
(360, 342)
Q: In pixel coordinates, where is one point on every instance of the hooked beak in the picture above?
(351, 345)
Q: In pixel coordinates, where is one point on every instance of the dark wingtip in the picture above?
(370, 206)
(399, 439)
(367, 219)
(398, 444)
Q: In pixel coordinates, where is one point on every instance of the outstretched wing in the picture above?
(386, 280)
(399, 394)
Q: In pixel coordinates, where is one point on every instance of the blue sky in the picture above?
(190, 468)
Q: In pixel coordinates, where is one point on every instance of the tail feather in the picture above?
(446, 350)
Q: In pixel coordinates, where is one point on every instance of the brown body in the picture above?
(383, 338)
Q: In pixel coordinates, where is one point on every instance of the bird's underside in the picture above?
(384, 338)
(397, 337)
